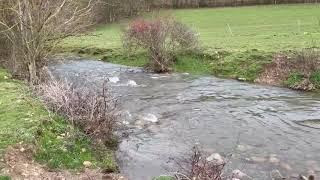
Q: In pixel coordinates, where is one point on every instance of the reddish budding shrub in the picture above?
(162, 38)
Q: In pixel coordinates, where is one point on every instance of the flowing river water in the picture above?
(263, 127)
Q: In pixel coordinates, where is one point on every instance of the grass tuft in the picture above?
(315, 79)
(294, 79)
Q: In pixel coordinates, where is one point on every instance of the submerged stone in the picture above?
(150, 118)
(132, 83)
(216, 158)
(114, 79)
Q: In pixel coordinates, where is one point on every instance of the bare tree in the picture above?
(33, 28)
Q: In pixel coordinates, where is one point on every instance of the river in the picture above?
(263, 127)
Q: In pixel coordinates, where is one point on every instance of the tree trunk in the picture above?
(33, 73)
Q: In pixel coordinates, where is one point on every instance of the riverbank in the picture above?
(298, 70)
(35, 143)
(238, 43)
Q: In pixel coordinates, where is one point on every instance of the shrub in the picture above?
(162, 38)
(93, 111)
(199, 168)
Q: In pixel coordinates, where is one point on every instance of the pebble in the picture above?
(242, 79)
(22, 149)
(87, 163)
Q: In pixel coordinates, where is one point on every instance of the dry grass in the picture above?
(294, 70)
(93, 111)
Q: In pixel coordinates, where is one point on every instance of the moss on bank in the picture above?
(56, 143)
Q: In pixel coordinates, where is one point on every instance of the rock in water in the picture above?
(132, 83)
(274, 160)
(237, 174)
(216, 158)
(276, 175)
(150, 117)
(114, 79)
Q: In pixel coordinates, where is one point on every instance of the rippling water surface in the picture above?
(168, 113)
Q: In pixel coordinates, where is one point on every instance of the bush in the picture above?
(198, 167)
(92, 111)
(162, 38)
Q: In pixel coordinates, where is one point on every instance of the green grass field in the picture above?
(268, 28)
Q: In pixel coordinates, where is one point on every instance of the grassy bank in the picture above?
(238, 42)
(54, 142)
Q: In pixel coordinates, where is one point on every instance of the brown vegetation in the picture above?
(91, 110)
(197, 167)
(294, 70)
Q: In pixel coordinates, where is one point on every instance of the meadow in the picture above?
(268, 28)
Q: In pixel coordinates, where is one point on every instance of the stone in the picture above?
(132, 83)
(216, 158)
(114, 79)
(150, 118)
(243, 148)
(301, 177)
(240, 175)
(258, 159)
(87, 163)
(286, 166)
(276, 175)
(242, 79)
(274, 160)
